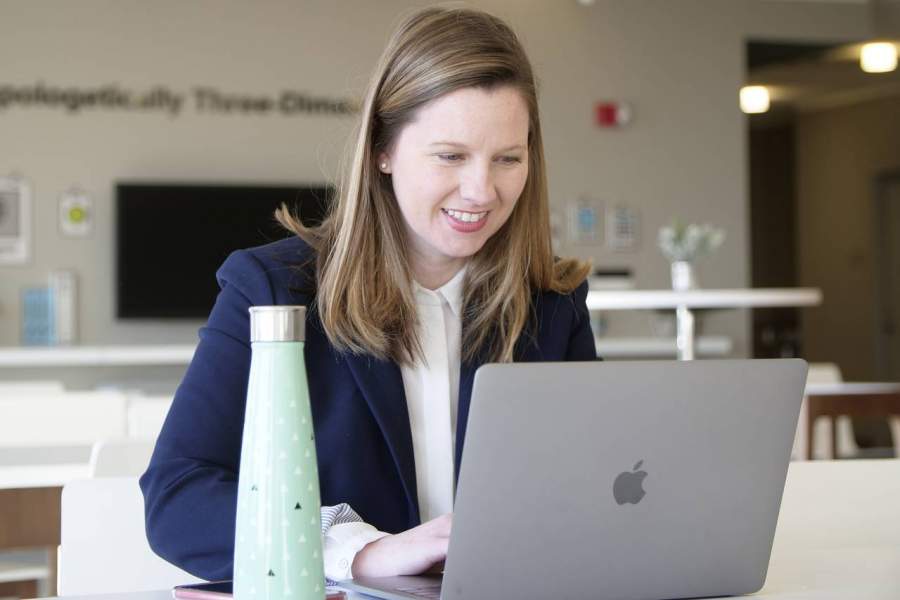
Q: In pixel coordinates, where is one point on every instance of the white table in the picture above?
(841, 388)
(684, 303)
(838, 535)
(40, 476)
(96, 356)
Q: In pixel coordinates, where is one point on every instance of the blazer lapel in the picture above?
(382, 386)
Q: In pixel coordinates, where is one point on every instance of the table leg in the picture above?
(684, 339)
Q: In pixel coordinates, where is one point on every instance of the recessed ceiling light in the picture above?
(878, 57)
(754, 99)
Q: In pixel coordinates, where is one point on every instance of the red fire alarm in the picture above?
(612, 114)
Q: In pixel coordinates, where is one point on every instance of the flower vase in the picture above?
(684, 276)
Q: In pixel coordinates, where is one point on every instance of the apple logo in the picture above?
(628, 486)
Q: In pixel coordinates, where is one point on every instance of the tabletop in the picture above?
(34, 476)
(838, 535)
(702, 298)
(841, 388)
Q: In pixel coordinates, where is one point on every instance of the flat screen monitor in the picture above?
(171, 239)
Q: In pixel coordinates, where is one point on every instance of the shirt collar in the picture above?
(451, 292)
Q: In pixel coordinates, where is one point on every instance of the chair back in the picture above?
(823, 373)
(103, 546)
(61, 419)
(146, 415)
(121, 457)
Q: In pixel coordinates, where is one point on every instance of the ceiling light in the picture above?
(754, 99)
(878, 57)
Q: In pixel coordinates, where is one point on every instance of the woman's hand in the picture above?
(412, 552)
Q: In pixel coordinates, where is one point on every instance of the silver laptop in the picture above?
(625, 480)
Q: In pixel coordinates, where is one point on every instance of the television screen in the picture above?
(173, 237)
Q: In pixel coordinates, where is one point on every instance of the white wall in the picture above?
(679, 62)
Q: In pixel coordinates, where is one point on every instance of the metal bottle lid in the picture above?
(277, 323)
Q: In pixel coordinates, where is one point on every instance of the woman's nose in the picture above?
(477, 185)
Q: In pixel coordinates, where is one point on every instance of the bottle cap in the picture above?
(277, 323)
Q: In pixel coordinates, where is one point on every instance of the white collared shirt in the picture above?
(432, 399)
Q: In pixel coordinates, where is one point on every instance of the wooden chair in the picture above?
(856, 400)
(812, 439)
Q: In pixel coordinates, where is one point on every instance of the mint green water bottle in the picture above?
(278, 539)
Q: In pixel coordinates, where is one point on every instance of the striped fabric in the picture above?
(338, 515)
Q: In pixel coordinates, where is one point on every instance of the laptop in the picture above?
(628, 480)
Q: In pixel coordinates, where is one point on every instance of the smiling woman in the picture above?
(447, 170)
(434, 259)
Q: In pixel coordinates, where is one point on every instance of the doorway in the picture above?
(887, 256)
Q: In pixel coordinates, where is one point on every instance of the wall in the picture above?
(839, 153)
(679, 62)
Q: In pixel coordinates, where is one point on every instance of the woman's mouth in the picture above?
(465, 221)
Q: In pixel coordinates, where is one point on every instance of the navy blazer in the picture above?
(363, 439)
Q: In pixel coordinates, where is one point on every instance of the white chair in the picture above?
(894, 423)
(47, 427)
(103, 547)
(120, 457)
(61, 419)
(146, 415)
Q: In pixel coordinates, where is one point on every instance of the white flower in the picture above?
(680, 242)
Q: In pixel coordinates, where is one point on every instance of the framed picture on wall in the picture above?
(15, 221)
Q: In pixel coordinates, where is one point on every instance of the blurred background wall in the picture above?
(679, 64)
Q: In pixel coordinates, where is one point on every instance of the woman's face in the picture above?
(457, 171)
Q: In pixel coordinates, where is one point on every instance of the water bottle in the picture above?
(278, 534)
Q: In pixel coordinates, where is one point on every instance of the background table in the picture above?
(684, 303)
(32, 494)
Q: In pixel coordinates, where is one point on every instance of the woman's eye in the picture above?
(509, 160)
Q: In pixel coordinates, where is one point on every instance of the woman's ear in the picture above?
(384, 163)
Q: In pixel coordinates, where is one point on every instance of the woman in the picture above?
(435, 259)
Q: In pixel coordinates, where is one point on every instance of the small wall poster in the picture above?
(15, 221)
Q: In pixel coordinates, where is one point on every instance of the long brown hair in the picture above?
(365, 298)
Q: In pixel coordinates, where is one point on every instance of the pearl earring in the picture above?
(383, 166)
